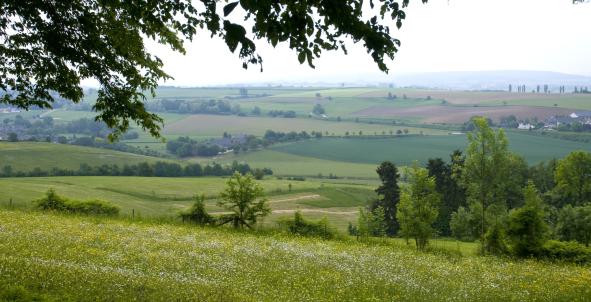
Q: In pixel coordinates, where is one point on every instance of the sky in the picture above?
(442, 35)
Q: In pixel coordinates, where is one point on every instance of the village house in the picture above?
(583, 117)
(524, 126)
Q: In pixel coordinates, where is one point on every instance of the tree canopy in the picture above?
(48, 47)
(245, 199)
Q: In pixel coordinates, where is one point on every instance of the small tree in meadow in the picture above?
(461, 224)
(418, 207)
(371, 223)
(245, 199)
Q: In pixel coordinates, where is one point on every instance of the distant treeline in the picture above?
(94, 134)
(219, 107)
(187, 147)
(194, 107)
(145, 169)
(94, 142)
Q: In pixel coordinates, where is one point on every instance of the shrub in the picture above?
(92, 207)
(461, 225)
(495, 240)
(570, 251)
(371, 223)
(53, 202)
(300, 226)
(527, 229)
(197, 213)
(574, 223)
(17, 293)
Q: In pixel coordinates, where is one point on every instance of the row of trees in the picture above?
(41, 127)
(490, 194)
(543, 88)
(186, 147)
(157, 169)
(282, 113)
(222, 107)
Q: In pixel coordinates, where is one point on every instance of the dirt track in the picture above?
(315, 211)
(313, 196)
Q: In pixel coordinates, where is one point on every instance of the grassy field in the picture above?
(286, 164)
(45, 256)
(348, 102)
(404, 150)
(216, 125)
(25, 156)
(152, 196)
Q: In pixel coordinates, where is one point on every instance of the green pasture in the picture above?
(404, 150)
(57, 257)
(153, 196)
(286, 164)
(572, 101)
(216, 125)
(25, 156)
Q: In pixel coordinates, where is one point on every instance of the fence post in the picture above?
(10, 203)
(132, 214)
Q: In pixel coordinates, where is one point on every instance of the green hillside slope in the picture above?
(69, 258)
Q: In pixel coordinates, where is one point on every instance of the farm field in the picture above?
(25, 156)
(286, 164)
(166, 197)
(74, 258)
(404, 150)
(460, 114)
(579, 102)
(216, 125)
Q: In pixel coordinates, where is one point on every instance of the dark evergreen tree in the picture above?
(446, 183)
(388, 195)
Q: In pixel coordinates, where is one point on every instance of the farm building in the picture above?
(523, 126)
(583, 117)
(229, 141)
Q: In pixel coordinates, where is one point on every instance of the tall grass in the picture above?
(82, 258)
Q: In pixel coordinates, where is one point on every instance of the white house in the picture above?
(527, 126)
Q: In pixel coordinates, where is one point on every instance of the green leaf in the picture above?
(229, 8)
(302, 57)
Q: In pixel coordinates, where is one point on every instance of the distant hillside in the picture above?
(25, 156)
(458, 80)
(491, 79)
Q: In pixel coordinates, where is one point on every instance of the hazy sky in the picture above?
(454, 35)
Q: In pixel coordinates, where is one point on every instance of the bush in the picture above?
(461, 225)
(17, 293)
(197, 214)
(54, 202)
(527, 229)
(93, 207)
(51, 202)
(574, 223)
(495, 240)
(303, 227)
(566, 251)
